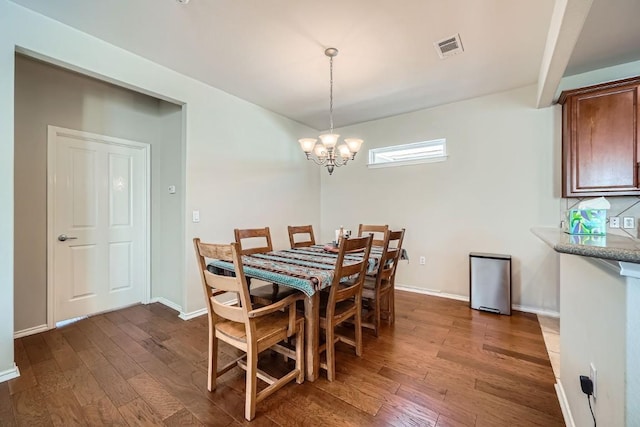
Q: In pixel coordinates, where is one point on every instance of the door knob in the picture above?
(64, 237)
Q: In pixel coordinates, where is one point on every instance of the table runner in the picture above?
(306, 269)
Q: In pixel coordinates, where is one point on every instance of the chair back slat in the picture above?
(230, 312)
(222, 283)
(349, 270)
(378, 231)
(345, 292)
(296, 230)
(253, 240)
(212, 251)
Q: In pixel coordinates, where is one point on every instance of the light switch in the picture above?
(628, 222)
(195, 216)
(172, 189)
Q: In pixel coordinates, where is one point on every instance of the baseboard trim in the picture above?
(10, 374)
(193, 314)
(183, 315)
(31, 331)
(176, 307)
(564, 405)
(168, 303)
(437, 293)
(197, 313)
(432, 292)
(532, 310)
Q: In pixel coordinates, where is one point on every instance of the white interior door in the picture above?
(98, 223)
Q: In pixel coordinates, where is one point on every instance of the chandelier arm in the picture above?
(343, 161)
(317, 161)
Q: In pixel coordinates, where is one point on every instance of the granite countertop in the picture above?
(610, 246)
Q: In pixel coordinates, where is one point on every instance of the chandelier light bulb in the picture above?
(344, 151)
(329, 140)
(353, 144)
(320, 151)
(307, 144)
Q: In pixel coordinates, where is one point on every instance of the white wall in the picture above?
(48, 95)
(243, 163)
(592, 330)
(167, 210)
(501, 178)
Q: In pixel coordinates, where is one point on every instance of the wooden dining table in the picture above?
(308, 270)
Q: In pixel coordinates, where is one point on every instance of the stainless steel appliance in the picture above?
(490, 282)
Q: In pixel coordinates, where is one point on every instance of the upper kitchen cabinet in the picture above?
(600, 140)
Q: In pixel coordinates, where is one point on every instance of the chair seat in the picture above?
(370, 293)
(266, 292)
(369, 283)
(341, 308)
(266, 326)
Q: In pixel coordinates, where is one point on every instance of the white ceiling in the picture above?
(271, 52)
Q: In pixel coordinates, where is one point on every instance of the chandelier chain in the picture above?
(331, 93)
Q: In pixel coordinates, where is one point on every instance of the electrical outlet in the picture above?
(614, 222)
(423, 260)
(593, 376)
(628, 222)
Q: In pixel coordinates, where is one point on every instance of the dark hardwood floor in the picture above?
(441, 364)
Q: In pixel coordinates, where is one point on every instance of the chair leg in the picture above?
(251, 383)
(376, 314)
(300, 353)
(213, 358)
(330, 351)
(392, 305)
(358, 326)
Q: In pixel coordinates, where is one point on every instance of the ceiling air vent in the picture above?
(449, 46)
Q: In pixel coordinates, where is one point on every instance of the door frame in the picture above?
(52, 133)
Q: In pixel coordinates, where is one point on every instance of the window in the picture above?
(409, 154)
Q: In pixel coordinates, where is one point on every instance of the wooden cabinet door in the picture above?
(601, 157)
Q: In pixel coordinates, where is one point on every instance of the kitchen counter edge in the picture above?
(608, 247)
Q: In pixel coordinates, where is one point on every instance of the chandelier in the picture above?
(325, 152)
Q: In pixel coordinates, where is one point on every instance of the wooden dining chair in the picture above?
(379, 290)
(343, 301)
(247, 329)
(256, 241)
(305, 230)
(378, 232)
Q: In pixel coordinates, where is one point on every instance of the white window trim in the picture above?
(442, 158)
(407, 162)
